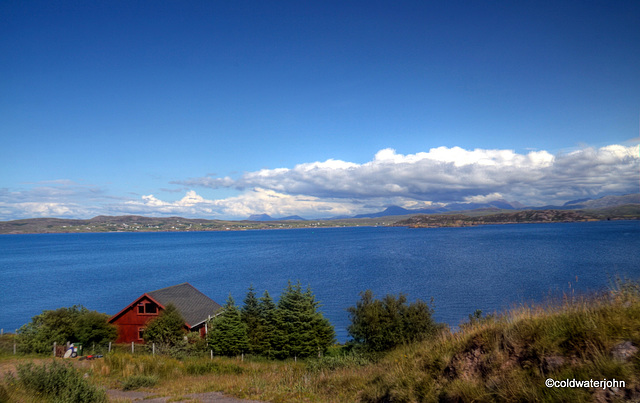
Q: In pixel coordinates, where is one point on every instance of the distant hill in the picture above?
(609, 201)
(260, 217)
(581, 204)
(399, 211)
(267, 217)
(603, 202)
(625, 212)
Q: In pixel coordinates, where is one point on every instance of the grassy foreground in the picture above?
(505, 358)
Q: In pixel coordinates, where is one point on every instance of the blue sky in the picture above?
(224, 109)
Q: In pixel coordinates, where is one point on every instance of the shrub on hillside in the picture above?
(382, 324)
(167, 331)
(59, 382)
(75, 324)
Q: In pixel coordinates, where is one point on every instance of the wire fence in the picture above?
(11, 344)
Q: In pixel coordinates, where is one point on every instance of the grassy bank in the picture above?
(504, 358)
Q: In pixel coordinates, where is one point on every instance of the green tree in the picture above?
(268, 311)
(379, 325)
(302, 331)
(228, 334)
(93, 327)
(74, 324)
(167, 330)
(250, 314)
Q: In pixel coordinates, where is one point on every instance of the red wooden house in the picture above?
(194, 306)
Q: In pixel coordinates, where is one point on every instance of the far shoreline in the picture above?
(394, 225)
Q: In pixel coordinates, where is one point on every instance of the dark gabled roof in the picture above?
(194, 306)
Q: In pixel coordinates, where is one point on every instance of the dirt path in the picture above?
(147, 397)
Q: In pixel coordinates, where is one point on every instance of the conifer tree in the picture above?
(302, 330)
(268, 325)
(250, 312)
(228, 334)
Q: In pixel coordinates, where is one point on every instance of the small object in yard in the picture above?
(72, 352)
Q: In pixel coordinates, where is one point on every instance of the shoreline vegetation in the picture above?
(101, 224)
(507, 357)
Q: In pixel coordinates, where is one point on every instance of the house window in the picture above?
(140, 333)
(147, 308)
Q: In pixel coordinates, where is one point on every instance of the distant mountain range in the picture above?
(397, 210)
(603, 202)
(267, 217)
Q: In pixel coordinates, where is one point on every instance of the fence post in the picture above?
(109, 346)
(212, 354)
(153, 349)
(1, 332)
(14, 348)
(132, 350)
(54, 348)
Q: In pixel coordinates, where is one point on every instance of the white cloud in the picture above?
(484, 198)
(454, 174)
(250, 202)
(335, 187)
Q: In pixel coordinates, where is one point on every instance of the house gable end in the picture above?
(132, 306)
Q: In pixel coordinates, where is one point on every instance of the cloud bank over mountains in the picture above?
(334, 187)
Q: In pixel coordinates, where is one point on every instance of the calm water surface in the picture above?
(463, 269)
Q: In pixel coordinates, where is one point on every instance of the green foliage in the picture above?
(301, 331)
(59, 382)
(268, 312)
(167, 330)
(380, 325)
(250, 313)
(228, 334)
(139, 381)
(196, 345)
(94, 327)
(75, 324)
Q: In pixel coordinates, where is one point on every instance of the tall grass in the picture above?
(509, 357)
(57, 382)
